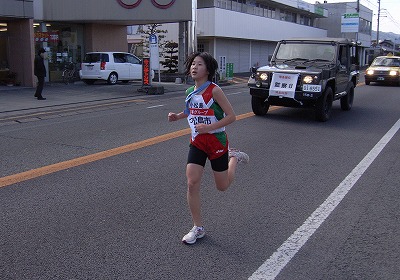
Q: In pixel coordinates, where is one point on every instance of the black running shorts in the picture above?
(199, 157)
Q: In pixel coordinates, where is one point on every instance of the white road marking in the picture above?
(234, 93)
(155, 106)
(274, 265)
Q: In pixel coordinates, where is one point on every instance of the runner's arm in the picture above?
(176, 116)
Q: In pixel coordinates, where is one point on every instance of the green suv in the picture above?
(310, 72)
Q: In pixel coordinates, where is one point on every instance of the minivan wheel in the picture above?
(112, 79)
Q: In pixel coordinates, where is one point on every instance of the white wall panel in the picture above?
(216, 22)
(244, 54)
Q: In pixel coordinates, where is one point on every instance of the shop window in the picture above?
(63, 43)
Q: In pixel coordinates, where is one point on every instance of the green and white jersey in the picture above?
(204, 109)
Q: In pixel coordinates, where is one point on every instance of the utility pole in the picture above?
(377, 28)
(358, 30)
(358, 12)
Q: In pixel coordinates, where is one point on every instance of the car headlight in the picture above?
(263, 76)
(393, 73)
(370, 72)
(310, 79)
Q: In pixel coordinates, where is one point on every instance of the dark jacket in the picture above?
(39, 68)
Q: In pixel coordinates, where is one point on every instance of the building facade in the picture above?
(16, 45)
(242, 33)
(245, 33)
(69, 29)
(334, 24)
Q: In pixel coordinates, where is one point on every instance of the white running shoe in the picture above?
(240, 156)
(193, 234)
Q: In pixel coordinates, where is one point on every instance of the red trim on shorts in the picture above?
(210, 144)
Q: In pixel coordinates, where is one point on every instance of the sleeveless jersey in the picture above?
(204, 109)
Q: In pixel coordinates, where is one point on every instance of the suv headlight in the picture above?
(370, 72)
(393, 73)
(309, 79)
(263, 76)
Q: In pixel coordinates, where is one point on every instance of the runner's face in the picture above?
(198, 70)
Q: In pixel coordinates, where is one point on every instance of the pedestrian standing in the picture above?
(40, 73)
(208, 112)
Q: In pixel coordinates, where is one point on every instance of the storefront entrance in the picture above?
(63, 43)
(4, 68)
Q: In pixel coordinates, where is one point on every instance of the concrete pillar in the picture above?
(182, 46)
(105, 37)
(21, 50)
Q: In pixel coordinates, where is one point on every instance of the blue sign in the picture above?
(154, 52)
(153, 39)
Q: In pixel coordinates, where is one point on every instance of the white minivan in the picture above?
(111, 67)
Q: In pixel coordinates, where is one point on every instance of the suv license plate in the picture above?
(312, 88)
(380, 79)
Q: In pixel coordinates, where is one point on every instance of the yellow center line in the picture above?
(45, 170)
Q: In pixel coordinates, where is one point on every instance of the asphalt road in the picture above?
(100, 194)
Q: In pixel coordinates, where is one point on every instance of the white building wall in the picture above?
(245, 40)
(243, 53)
(216, 22)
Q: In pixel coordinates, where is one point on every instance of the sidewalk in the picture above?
(15, 98)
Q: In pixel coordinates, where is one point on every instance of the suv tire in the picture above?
(346, 102)
(323, 106)
(259, 105)
(112, 79)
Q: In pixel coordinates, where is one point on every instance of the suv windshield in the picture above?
(384, 61)
(303, 51)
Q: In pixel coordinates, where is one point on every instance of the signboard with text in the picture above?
(350, 22)
(283, 85)
(154, 52)
(229, 71)
(146, 72)
(46, 36)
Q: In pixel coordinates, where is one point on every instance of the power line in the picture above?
(392, 20)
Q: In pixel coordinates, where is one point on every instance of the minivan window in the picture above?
(133, 59)
(96, 58)
(119, 58)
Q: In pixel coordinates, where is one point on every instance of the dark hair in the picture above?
(41, 50)
(211, 63)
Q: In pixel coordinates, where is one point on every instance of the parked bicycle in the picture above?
(70, 73)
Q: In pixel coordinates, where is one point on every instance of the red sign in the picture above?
(146, 76)
(135, 3)
(46, 37)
